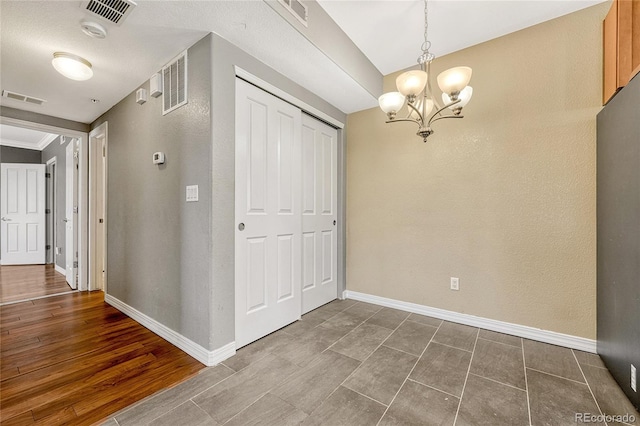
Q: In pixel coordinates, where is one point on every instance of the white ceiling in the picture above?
(24, 138)
(389, 32)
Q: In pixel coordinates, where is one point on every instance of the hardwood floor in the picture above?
(73, 359)
(23, 282)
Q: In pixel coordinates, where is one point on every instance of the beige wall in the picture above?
(503, 199)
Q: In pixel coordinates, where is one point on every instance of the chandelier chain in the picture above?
(427, 44)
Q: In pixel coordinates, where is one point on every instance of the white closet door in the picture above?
(268, 216)
(319, 213)
(22, 207)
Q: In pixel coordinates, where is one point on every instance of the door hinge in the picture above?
(47, 211)
(104, 151)
(75, 264)
(75, 209)
(100, 220)
(47, 175)
(47, 247)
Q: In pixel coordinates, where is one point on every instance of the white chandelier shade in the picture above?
(454, 80)
(411, 83)
(391, 102)
(464, 96)
(427, 110)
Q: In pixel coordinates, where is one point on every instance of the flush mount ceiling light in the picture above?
(72, 66)
(414, 87)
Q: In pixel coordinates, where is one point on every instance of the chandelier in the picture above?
(414, 88)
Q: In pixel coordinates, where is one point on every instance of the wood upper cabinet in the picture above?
(621, 35)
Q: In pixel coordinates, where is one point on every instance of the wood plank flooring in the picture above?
(23, 282)
(73, 359)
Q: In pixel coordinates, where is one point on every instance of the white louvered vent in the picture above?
(297, 9)
(22, 98)
(114, 11)
(174, 84)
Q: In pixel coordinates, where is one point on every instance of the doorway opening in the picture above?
(43, 233)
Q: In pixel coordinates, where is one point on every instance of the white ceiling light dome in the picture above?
(72, 66)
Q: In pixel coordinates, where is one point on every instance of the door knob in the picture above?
(241, 226)
(4, 219)
(65, 220)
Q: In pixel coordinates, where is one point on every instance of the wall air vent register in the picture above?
(174, 84)
(297, 9)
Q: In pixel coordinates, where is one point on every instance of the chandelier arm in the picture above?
(417, 112)
(432, 119)
(446, 116)
(404, 119)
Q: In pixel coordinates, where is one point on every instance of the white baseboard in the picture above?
(208, 358)
(566, 340)
(61, 269)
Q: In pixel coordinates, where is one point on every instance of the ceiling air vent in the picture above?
(114, 11)
(22, 98)
(297, 9)
(174, 84)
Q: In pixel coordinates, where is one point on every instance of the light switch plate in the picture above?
(455, 283)
(192, 193)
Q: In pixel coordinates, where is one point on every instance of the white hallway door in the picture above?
(319, 213)
(70, 203)
(22, 211)
(286, 180)
(268, 217)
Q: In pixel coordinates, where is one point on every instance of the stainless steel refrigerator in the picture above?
(618, 210)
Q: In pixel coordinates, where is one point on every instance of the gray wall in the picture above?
(225, 56)
(172, 260)
(10, 154)
(619, 236)
(158, 255)
(54, 149)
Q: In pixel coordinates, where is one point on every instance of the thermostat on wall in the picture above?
(158, 158)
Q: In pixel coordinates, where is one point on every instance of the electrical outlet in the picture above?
(455, 283)
(634, 380)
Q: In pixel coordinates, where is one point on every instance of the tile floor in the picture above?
(353, 363)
